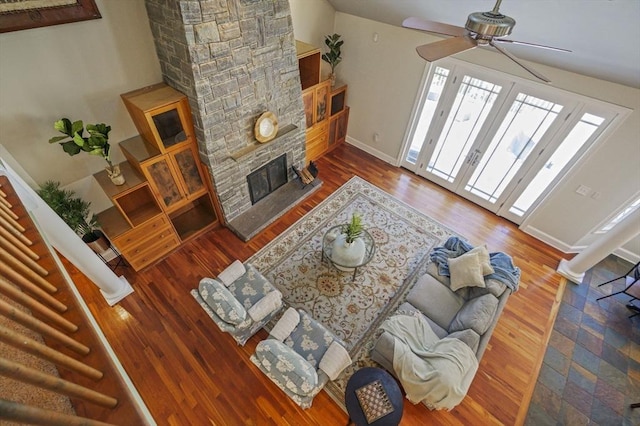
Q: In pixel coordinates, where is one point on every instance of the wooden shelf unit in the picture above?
(325, 109)
(166, 198)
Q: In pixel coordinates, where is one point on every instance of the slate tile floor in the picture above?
(591, 370)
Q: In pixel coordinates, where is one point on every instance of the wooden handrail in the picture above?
(41, 327)
(40, 296)
(29, 375)
(13, 411)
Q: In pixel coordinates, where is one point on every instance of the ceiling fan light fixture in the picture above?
(488, 24)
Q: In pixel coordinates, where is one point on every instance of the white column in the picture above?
(112, 287)
(619, 235)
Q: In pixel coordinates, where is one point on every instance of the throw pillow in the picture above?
(232, 273)
(483, 257)
(476, 314)
(285, 324)
(334, 360)
(465, 271)
(221, 301)
(271, 302)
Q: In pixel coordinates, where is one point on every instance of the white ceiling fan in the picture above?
(481, 29)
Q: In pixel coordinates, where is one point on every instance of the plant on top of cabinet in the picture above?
(334, 56)
(97, 143)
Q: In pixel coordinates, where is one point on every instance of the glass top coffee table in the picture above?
(327, 250)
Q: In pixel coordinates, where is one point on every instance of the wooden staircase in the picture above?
(40, 317)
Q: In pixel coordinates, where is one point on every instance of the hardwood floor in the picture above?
(189, 373)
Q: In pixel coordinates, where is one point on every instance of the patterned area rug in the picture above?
(352, 308)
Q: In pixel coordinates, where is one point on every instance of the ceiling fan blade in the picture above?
(433, 27)
(441, 49)
(524, 43)
(517, 61)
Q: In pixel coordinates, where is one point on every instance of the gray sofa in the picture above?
(469, 314)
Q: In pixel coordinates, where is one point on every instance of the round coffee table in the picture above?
(327, 249)
(364, 377)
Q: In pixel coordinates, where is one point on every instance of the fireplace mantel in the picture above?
(238, 155)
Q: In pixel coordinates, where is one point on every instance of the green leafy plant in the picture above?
(97, 143)
(353, 229)
(73, 210)
(333, 56)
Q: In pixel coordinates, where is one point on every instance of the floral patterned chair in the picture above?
(241, 301)
(300, 356)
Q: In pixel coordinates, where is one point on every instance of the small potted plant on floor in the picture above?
(97, 143)
(348, 248)
(75, 212)
(334, 56)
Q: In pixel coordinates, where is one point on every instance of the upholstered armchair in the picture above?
(240, 301)
(300, 356)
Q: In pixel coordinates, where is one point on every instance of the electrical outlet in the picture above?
(583, 190)
(596, 195)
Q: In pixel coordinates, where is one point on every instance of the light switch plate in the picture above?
(583, 190)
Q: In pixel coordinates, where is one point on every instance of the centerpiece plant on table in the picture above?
(348, 248)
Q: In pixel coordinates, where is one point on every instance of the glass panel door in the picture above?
(578, 138)
(470, 109)
(429, 105)
(524, 126)
(496, 140)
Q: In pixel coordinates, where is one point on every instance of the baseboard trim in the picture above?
(369, 150)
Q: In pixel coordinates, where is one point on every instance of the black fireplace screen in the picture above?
(267, 178)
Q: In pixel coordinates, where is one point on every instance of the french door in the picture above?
(497, 142)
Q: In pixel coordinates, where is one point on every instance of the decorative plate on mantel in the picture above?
(266, 127)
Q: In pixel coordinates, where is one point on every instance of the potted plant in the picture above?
(333, 56)
(75, 212)
(348, 248)
(97, 143)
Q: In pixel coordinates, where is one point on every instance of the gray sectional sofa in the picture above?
(469, 314)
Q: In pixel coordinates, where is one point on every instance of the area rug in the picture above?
(352, 308)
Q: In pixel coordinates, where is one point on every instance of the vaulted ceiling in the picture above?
(603, 35)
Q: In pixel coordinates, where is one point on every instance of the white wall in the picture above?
(312, 21)
(384, 78)
(75, 70)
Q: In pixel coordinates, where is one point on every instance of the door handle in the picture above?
(476, 157)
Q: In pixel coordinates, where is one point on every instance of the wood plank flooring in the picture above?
(189, 373)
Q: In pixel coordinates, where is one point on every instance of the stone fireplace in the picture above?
(234, 59)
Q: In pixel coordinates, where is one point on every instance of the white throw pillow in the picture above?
(232, 273)
(483, 257)
(285, 325)
(334, 360)
(465, 271)
(269, 303)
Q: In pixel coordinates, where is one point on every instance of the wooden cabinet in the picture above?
(175, 177)
(308, 63)
(166, 199)
(316, 101)
(325, 110)
(338, 128)
(338, 115)
(136, 223)
(161, 115)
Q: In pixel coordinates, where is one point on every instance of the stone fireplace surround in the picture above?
(234, 59)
